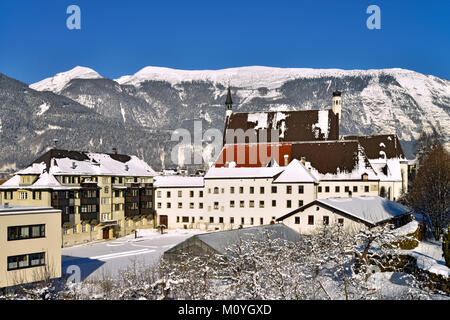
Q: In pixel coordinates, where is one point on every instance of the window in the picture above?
(216, 190)
(274, 203)
(180, 193)
(326, 220)
(301, 189)
(200, 205)
(180, 205)
(105, 200)
(231, 189)
(300, 203)
(261, 220)
(222, 190)
(74, 228)
(26, 261)
(261, 203)
(317, 208)
(211, 219)
(231, 220)
(117, 207)
(185, 219)
(310, 220)
(37, 195)
(341, 221)
(252, 190)
(319, 189)
(261, 190)
(288, 189)
(252, 204)
(297, 220)
(106, 189)
(232, 204)
(274, 189)
(220, 219)
(216, 205)
(23, 195)
(355, 188)
(347, 189)
(241, 204)
(366, 188)
(178, 219)
(251, 221)
(159, 205)
(288, 204)
(83, 227)
(327, 189)
(26, 232)
(191, 194)
(191, 205)
(337, 189)
(193, 220)
(200, 194)
(242, 220)
(241, 189)
(168, 205)
(168, 194)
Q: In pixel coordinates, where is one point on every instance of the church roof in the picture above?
(291, 126)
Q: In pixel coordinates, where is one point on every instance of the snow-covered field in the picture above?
(109, 257)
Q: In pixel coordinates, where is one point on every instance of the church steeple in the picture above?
(229, 104)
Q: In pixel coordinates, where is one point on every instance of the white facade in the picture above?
(228, 198)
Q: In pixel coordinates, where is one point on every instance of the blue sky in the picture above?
(121, 37)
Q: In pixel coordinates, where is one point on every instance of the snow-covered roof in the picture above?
(295, 172)
(13, 209)
(220, 241)
(371, 210)
(63, 162)
(236, 173)
(177, 181)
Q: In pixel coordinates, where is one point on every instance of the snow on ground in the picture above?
(109, 257)
(394, 285)
(429, 257)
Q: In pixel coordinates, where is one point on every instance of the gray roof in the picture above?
(371, 210)
(9, 210)
(219, 241)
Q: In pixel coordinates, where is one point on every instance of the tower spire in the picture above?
(229, 103)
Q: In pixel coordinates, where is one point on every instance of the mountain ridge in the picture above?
(158, 100)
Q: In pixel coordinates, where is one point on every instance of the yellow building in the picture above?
(30, 242)
(100, 195)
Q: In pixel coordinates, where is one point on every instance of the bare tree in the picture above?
(429, 194)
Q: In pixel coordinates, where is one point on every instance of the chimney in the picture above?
(303, 160)
(286, 159)
(114, 150)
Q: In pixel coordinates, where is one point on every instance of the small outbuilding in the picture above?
(352, 213)
(218, 242)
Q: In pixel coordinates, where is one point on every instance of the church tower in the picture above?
(337, 105)
(229, 104)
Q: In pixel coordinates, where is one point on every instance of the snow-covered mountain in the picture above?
(374, 101)
(60, 80)
(136, 113)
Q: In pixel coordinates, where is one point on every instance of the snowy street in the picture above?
(110, 257)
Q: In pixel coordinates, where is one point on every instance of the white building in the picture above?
(353, 214)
